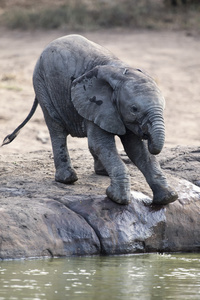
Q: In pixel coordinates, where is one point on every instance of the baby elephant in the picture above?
(86, 91)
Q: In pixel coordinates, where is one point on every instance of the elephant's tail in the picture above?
(9, 138)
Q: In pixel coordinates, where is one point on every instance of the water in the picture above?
(145, 277)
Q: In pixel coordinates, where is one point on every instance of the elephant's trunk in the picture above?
(156, 132)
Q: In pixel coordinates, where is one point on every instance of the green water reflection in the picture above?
(150, 276)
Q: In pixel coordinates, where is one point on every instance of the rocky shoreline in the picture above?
(40, 217)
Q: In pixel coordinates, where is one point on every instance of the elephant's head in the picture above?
(117, 99)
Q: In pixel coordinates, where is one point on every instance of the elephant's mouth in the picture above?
(143, 133)
(140, 131)
(145, 136)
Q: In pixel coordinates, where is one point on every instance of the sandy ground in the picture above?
(172, 58)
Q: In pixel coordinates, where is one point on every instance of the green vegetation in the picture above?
(88, 14)
(7, 82)
(10, 87)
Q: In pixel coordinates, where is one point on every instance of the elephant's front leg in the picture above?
(102, 146)
(147, 163)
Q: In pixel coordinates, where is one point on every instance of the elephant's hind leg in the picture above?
(65, 173)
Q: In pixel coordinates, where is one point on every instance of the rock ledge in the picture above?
(43, 218)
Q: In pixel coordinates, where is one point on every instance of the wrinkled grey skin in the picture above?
(85, 91)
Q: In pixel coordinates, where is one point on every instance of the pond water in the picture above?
(147, 276)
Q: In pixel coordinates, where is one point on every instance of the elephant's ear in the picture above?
(92, 97)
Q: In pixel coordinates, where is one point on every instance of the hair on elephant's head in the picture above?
(117, 99)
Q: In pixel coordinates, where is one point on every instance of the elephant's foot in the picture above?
(164, 196)
(67, 176)
(119, 194)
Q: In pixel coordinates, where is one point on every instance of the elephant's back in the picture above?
(74, 55)
(71, 56)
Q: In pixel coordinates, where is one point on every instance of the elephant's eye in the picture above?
(134, 109)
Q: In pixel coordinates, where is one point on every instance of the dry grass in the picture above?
(88, 14)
